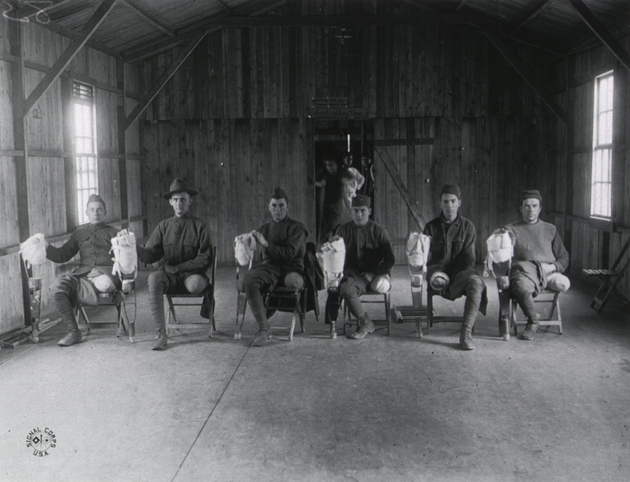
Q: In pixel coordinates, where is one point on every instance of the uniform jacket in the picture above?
(368, 248)
(181, 241)
(92, 242)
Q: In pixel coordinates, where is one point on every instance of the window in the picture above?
(84, 145)
(601, 176)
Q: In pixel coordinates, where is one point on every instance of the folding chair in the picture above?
(609, 278)
(383, 298)
(120, 299)
(193, 299)
(433, 317)
(281, 298)
(553, 316)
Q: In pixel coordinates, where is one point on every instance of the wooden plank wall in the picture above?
(45, 166)
(572, 79)
(244, 89)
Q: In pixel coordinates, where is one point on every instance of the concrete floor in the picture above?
(394, 408)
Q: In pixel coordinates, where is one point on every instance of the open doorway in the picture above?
(343, 166)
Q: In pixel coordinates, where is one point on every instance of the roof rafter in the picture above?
(208, 25)
(68, 54)
(602, 33)
(534, 14)
(149, 18)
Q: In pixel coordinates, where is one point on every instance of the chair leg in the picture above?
(559, 319)
(241, 308)
(388, 318)
(301, 308)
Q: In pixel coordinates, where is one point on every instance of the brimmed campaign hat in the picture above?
(179, 186)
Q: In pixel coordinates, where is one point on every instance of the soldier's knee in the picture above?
(196, 284)
(104, 284)
(294, 281)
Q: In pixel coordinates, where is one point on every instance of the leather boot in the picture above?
(530, 330)
(161, 339)
(465, 338)
(261, 337)
(74, 335)
(365, 328)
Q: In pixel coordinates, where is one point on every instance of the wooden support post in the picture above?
(602, 33)
(122, 145)
(524, 73)
(67, 56)
(164, 78)
(19, 144)
(400, 185)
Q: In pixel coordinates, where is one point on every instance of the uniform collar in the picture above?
(457, 220)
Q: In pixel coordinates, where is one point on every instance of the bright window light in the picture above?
(84, 145)
(601, 173)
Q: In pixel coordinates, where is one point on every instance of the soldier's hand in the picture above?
(260, 238)
(171, 269)
(548, 267)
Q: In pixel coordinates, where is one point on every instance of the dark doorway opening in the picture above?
(343, 152)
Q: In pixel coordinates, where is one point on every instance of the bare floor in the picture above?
(395, 408)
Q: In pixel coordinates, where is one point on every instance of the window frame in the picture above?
(86, 160)
(602, 151)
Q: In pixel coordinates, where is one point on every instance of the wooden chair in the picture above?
(609, 279)
(281, 298)
(374, 297)
(433, 317)
(123, 322)
(190, 299)
(552, 318)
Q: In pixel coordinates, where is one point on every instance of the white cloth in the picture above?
(33, 250)
(500, 249)
(244, 248)
(125, 255)
(417, 249)
(333, 256)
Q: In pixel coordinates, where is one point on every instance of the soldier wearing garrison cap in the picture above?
(452, 259)
(539, 259)
(282, 245)
(183, 245)
(92, 242)
(368, 264)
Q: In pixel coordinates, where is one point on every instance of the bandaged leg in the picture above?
(103, 283)
(381, 284)
(558, 282)
(294, 281)
(196, 284)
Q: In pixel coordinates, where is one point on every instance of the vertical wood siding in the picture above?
(45, 171)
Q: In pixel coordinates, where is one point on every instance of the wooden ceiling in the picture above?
(138, 29)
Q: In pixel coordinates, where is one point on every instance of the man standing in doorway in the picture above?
(539, 259)
(282, 243)
(452, 259)
(183, 243)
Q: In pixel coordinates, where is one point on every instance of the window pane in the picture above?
(604, 134)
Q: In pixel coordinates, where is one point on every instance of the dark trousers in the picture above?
(523, 289)
(161, 283)
(257, 281)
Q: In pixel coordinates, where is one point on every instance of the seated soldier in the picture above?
(368, 264)
(93, 243)
(452, 259)
(283, 244)
(539, 258)
(183, 243)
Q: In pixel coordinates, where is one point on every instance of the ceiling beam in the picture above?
(208, 25)
(161, 82)
(534, 14)
(150, 19)
(225, 8)
(66, 32)
(461, 5)
(68, 54)
(527, 75)
(602, 33)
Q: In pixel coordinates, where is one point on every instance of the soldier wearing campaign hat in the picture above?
(183, 244)
(282, 244)
(92, 242)
(452, 260)
(368, 264)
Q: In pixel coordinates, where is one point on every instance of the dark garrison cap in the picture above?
(451, 189)
(361, 200)
(95, 198)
